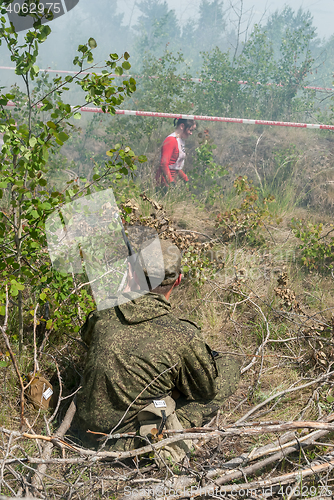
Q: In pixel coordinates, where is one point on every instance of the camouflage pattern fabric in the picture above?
(139, 351)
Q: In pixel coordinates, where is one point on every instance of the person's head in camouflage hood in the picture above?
(172, 264)
(161, 264)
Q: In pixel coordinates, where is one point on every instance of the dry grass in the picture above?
(239, 328)
(238, 305)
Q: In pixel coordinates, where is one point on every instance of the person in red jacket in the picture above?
(173, 153)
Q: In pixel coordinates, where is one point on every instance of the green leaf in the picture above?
(119, 71)
(46, 206)
(42, 296)
(126, 55)
(62, 136)
(92, 43)
(77, 115)
(45, 153)
(330, 399)
(3, 364)
(126, 65)
(32, 141)
(45, 30)
(46, 105)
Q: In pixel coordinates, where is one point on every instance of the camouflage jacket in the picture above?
(139, 351)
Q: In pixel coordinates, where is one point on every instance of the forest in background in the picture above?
(218, 26)
(218, 23)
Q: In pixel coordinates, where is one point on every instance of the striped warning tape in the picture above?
(246, 121)
(196, 80)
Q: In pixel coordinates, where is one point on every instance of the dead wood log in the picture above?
(36, 481)
(257, 487)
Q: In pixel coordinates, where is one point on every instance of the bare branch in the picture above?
(283, 393)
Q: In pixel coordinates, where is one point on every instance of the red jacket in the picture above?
(170, 153)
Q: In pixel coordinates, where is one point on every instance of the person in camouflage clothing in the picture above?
(139, 351)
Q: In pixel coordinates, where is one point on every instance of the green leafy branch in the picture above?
(317, 250)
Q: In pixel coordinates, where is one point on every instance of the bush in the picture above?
(317, 252)
(244, 221)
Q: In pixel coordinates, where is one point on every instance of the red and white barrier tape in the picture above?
(244, 121)
(196, 80)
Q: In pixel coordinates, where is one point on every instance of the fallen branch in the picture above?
(178, 486)
(283, 444)
(36, 480)
(287, 442)
(178, 435)
(283, 393)
(274, 458)
(255, 487)
(192, 433)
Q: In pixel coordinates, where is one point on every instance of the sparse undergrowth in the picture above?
(255, 302)
(246, 284)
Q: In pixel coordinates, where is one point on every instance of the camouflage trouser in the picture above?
(95, 441)
(197, 413)
(192, 413)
